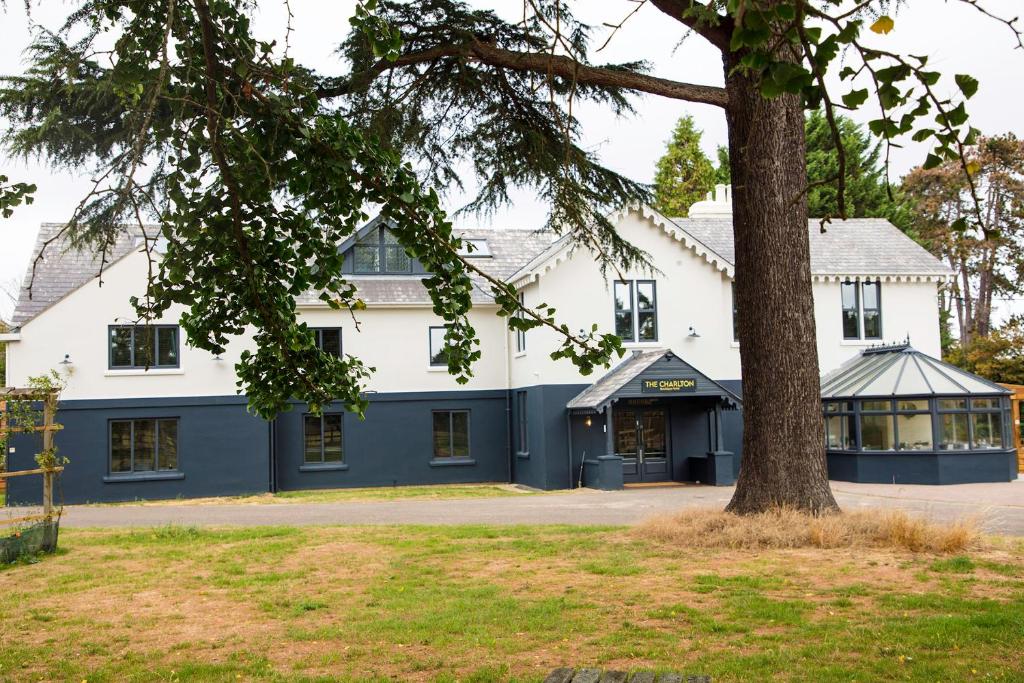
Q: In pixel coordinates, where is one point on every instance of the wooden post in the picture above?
(49, 408)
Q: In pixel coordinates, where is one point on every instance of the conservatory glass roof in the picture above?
(902, 370)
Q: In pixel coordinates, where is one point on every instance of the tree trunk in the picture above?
(783, 429)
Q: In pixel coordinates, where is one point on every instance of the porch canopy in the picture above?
(651, 373)
(936, 422)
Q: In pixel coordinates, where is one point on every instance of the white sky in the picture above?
(957, 39)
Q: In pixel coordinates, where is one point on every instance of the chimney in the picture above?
(717, 204)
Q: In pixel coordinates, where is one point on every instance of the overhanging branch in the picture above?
(538, 62)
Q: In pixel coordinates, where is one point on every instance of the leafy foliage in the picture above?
(684, 174)
(13, 194)
(998, 356)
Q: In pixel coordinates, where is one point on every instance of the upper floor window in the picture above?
(862, 310)
(379, 252)
(328, 340)
(521, 334)
(438, 346)
(143, 346)
(735, 314)
(149, 445)
(636, 310)
(321, 439)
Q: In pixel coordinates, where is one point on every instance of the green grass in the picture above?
(478, 603)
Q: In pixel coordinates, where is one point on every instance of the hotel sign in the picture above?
(668, 385)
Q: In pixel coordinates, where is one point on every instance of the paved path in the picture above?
(999, 508)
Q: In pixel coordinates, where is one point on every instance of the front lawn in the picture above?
(496, 604)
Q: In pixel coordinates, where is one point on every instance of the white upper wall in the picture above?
(693, 290)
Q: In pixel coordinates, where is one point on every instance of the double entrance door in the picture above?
(641, 440)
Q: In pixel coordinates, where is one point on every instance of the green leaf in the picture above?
(932, 161)
(968, 84)
(855, 98)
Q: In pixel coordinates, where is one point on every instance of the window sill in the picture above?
(642, 344)
(324, 467)
(452, 462)
(142, 476)
(138, 372)
(860, 342)
(523, 455)
(519, 354)
(734, 345)
(437, 368)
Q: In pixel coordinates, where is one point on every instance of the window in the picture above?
(840, 426)
(914, 424)
(474, 247)
(862, 310)
(328, 340)
(523, 427)
(438, 347)
(379, 252)
(521, 334)
(636, 319)
(876, 430)
(451, 434)
(735, 315)
(149, 445)
(986, 427)
(953, 432)
(143, 346)
(321, 439)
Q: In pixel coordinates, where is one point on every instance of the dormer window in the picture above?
(379, 252)
(475, 247)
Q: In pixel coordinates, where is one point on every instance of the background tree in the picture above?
(684, 174)
(256, 167)
(998, 356)
(723, 176)
(988, 257)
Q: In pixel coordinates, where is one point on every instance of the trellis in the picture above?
(48, 466)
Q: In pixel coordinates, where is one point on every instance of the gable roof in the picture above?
(624, 381)
(62, 270)
(857, 246)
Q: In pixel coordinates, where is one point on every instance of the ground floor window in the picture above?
(147, 445)
(451, 434)
(322, 438)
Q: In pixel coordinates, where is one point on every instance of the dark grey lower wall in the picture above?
(393, 446)
(222, 450)
(546, 463)
(923, 468)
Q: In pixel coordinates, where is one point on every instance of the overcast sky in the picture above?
(956, 37)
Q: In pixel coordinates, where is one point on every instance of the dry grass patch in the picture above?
(789, 528)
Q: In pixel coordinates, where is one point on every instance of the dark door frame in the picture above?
(634, 468)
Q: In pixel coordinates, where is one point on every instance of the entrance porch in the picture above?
(655, 418)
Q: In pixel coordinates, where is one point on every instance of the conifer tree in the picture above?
(684, 174)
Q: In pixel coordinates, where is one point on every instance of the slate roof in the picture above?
(62, 270)
(858, 246)
(902, 370)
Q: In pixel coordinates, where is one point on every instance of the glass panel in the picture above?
(332, 438)
(524, 433)
(145, 342)
(654, 433)
(460, 434)
(367, 259)
(648, 326)
(953, 432)
(168, 430)
(437, 346)
(330, 342)
(167, 337)
(871, 298)
(145, 445)
(988, 430)
(735, 315)
(851, 311)
(120, 446)
(952, 404)
(840, 430)
(831, 407)
(872, 324)
(442, 435)
(120, 347)
(984, 403)
(645, 300)
(624, 310)
(626, 444)
(311, 443)
(876, 405)
(912, 404)
(876, 432)
(915, 432)
(397, 261)
(388, 237)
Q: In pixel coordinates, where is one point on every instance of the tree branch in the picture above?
(544, 63)
(686, 12)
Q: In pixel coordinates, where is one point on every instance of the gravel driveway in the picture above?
(999, 507)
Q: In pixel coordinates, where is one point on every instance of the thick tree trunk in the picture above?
(783, 440)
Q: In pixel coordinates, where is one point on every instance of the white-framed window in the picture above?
(862, 310)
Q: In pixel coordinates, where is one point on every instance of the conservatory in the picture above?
(895, 415)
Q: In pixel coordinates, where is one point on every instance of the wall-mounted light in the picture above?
(693, 333)
(67, 359)
(587, 421)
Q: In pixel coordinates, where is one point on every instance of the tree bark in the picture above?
(783, 439)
